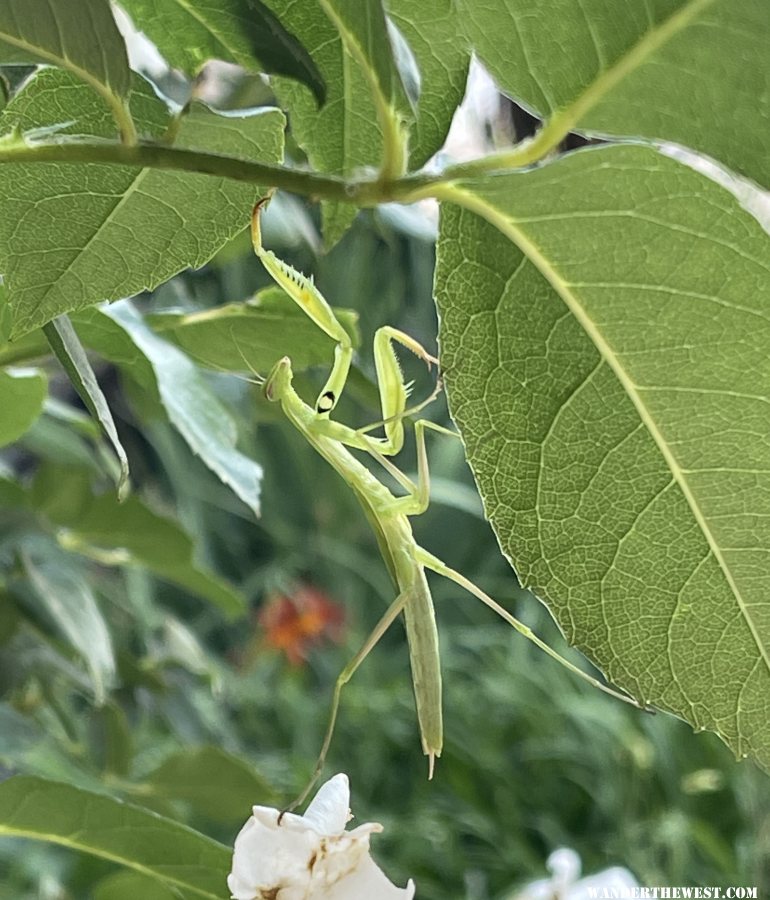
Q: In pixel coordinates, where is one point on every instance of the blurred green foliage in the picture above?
(203, 718)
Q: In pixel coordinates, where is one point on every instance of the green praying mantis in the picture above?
(388, 514)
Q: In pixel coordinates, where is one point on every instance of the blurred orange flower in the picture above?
(296, 622)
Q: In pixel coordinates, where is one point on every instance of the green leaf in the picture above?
(364, 30)
(242, 31)
(604, 330)
(23, 350)
(69, 351)
(22, 394)
(127, 229)
(27, 747)
(70, 603)
(431, 28)
(120, 334)
(255, 334)
(5, 314)
(129, 533)
(346, 134)
(696, 72)
(226, 798)
(91, 823)
(59, 439)
(81, 37)
(18, 734)
(127, 885)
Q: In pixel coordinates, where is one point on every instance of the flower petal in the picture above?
(329, 811)
(268, 856)
(367, 880)
(310, 857)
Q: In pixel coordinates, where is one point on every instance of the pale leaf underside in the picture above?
(605, 325)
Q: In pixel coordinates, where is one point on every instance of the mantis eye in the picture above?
(325, 402)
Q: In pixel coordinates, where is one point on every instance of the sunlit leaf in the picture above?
(120, 334)
(345, 135)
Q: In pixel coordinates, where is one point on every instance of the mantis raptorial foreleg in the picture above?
(390, 382)
(387, 513)
(306, 295)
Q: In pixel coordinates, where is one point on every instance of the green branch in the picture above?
(366, 192)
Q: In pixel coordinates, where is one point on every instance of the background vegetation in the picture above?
(207, 717)
(177, 650)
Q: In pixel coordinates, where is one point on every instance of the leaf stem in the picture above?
(562, 121)
(523, 154)
(122, 115)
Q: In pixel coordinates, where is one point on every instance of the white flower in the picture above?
(564, 865)
(309, 857)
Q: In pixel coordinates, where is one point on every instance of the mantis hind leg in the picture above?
(343, 678)
(436, 565)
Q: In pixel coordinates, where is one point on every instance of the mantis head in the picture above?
(279, 379)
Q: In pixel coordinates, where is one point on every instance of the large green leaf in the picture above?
(431, 29)
(252, 335)
(127, 229)
(69, 351)
(120, 334)
(239, 31)
(22, 394)
(81, 37)
(91, 823)
(605, 324)
(68, 600)
(696, 72)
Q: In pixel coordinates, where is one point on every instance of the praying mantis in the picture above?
(388, 514)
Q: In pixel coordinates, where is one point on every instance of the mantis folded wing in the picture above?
(387, 513)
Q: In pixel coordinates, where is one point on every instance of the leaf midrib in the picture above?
(121, 201)
(56, 59)
(532, 251)
(563, 121)
(105, 854)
